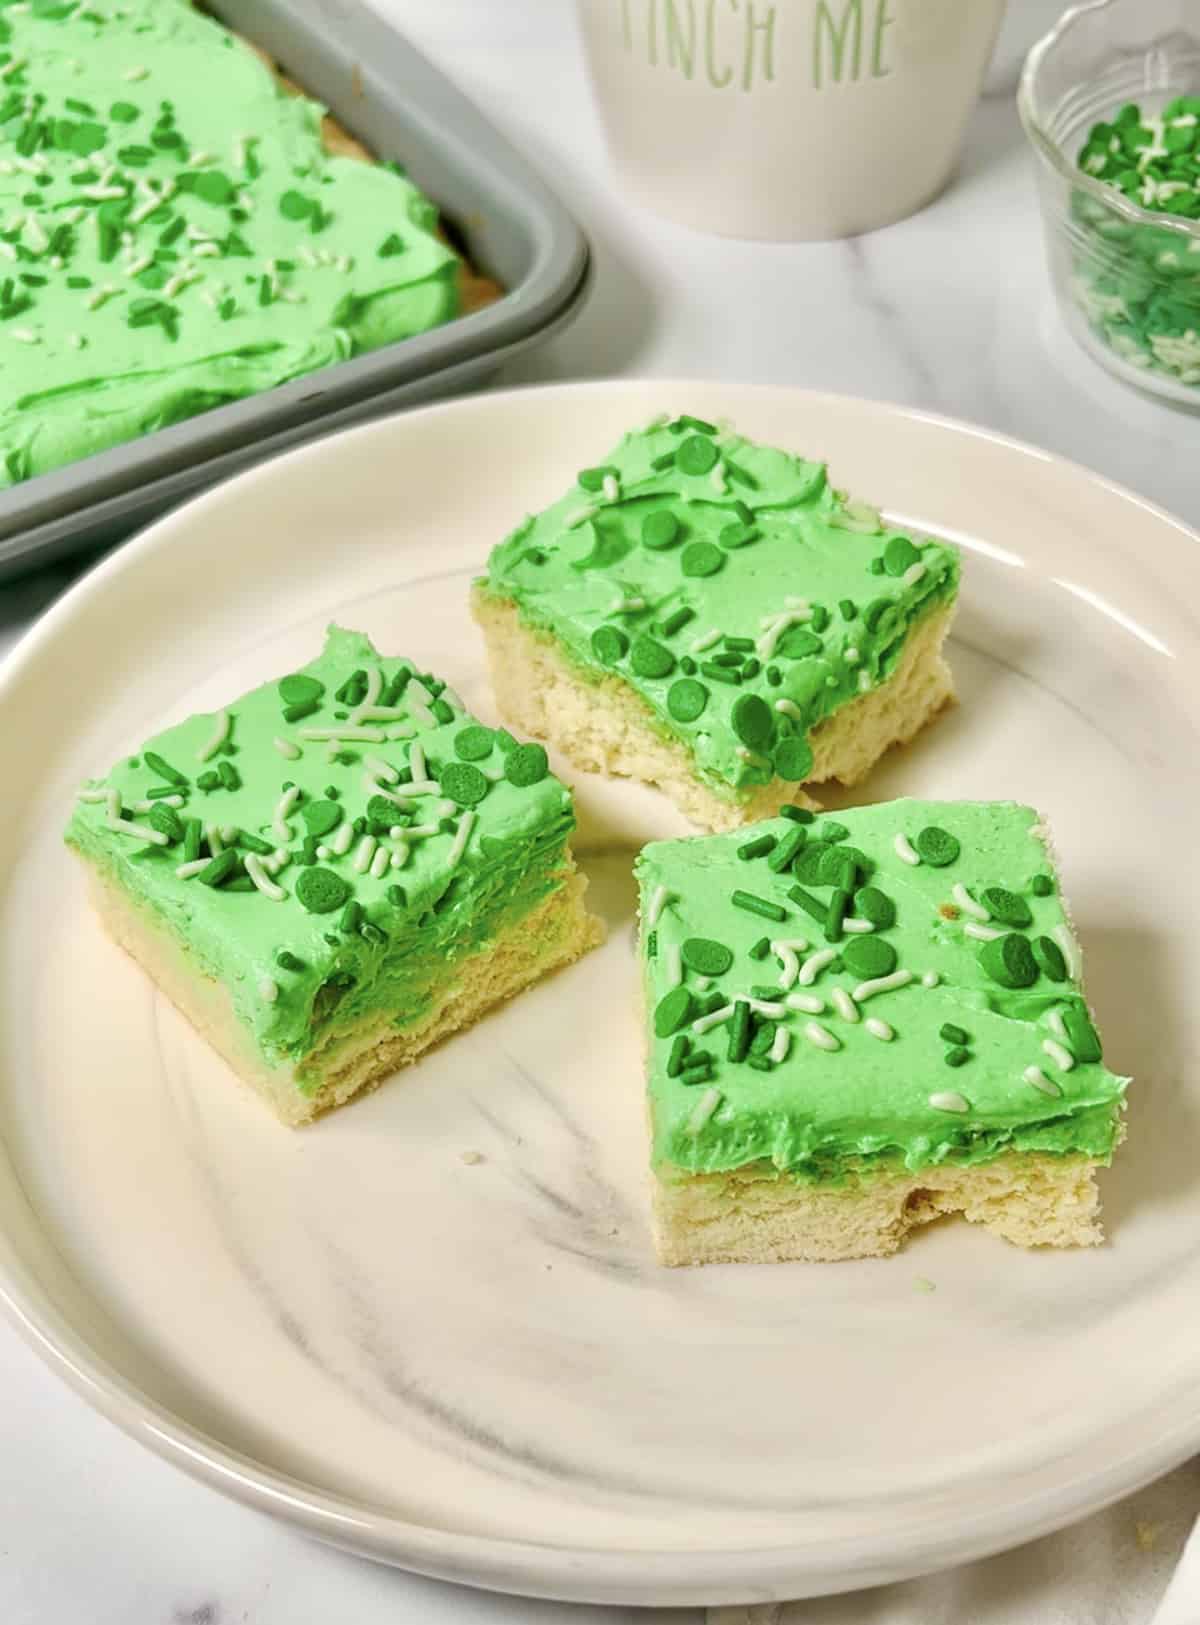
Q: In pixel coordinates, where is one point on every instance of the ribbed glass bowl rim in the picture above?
(1048, 148)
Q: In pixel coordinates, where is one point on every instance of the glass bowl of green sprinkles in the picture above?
(1110, 101)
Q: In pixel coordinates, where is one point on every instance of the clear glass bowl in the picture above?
(1127, 279)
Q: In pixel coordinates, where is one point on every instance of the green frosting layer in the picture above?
(172, 233)
(742, 597)
(472, 843)
(986, 1044)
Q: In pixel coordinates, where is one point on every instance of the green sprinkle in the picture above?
(673, 1011)
(240, 883)
(687, 666)
(1009, 960)
(831, 831)
(679, 1048)
(229, 776)
(370, 932)
(739, 1031)
(300, 689)
(872, 904)
(838, 868)
(167, 821)
(957, 1056)
(1049, 958)
(505, 741)
(592, 479)
(391, 245)
(219, 868)
(797, 643)
(1041, 885)
(953, 1034)
(526, 765)
(123, 113)
(760, 1063)
(250, 842)
(473, 744)
(937, 846)
(753, 721)
(465, 785)
(686, 699)
(701, 559)
(740, 475)
(320, 817)
(900, 555)
(684, 421)
(757, 848)
(288, 961)
(193, 834)
(735, 536)
(1006, 906)
(811, 906)
(751, 668)
(697, 455)
(666, 460)
(676, 621)
(774, 676)
(798, 815)
(720, 674)
(163, 768)
(869, 957)
(875, 612)
(763, 1037)
(397, 896)
(706, 957)
(839, 902)
(758, 905)
(808, 863)
(649, 658)
(710, 1003)
(818, 618)
(738, 644)
(761, 948)
(765, 991)
(793, 760)
(652, 945)
(660, 529)
(320, 891)
(699, 1072)
(785, 853)
(352, 917)
(609, 644)
(1085, 1041)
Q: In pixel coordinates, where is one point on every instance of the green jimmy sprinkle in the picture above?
(758, 905)
(163, 768)
(757, 848)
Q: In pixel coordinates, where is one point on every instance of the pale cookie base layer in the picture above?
(558, 930)
(754, 1216)
(602, 725)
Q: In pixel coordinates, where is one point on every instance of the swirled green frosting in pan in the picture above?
(173, 234)
(741, 596)
(894, 986)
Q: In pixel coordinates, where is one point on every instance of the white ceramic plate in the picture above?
(478, 1370)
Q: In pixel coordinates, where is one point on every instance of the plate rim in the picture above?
(654, 1577)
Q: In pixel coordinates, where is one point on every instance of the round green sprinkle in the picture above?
(798, 642)
(838, 868)
(953, 1034)
(167, 821)
(1041, 885)
(288, 961)
(524, 765)
(214, 187)
(473, 744)
(1006, 906)
(1049, 958)
(696, 455)
(753, 721)
(381, 810)
(872, 904)
(397, 896)
(649, 658)
(868, 957)
(958, 1056)
(847, 608)
(1009, 961)
(1085, 1041)
(463, 784)
(673, 1011)
(937, 846)
(808, 864)
(831, 831)
(736, 535)
(321, 891)
(701, 559)
(900, 555)
(660, 529)
(300, 689)
(321, 816)
(793, 760)
(686, 699)
(706, 957)
(609, 644)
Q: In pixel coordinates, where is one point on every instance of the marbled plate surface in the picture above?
(476, 1368)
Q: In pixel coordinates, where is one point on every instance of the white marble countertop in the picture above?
(949, 311)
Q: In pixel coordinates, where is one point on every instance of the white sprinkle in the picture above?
(982, 933)
(789, 708)
(199, 159)
(262, 879)
(309, 258)
(931, 978)
(718, 477)
(967, 903)
(858, 927)
(134, 74)
(344, 263)
(112, 804)
(366, 851)
(776, 627)
(659, 898)
(713, 1019)
(341, 839)
(212, 835)
(268, 989)
(38, 239)
(1061, 1056)
(421, 713)
(187, 871)
(217, 738)
(8, 251)
(764, 1007)
(286, 748)
(705, 640)
(808, 1003)
(705, 1107)
(904, 850)
(579, 516)
(673, 964)
(208, 251)
(1057, 1025)
(402, 801)
(752, 757)
(844, 1004)
(857, 516)
(404, 731)
(364, 736)
(815, 964)
(879, 1029)
(324, 853)
(147, 805)
(453, 698)
(1035, 1076)
(445, 809)
(103, 194)
(780, 1044)
(882, 984)
(91, 795)
(138, 266)
(416, 762)
(461, 836)
(229, 834)
(912, 575)
(182, 279)
(381, 713)
(1070, 949)
(400, 854)
(864, 680)
(422, 787)
(851, 656)
(821, 1036)
(283, 808)
(24, 335)
(949, 1100)
(278, 860)
(125, 826)
(628, 606)
(15, 66)
(101, 295)
(611, 488)
(381, 769)
(702, 983)
(786, 953)
(379, 863)
(420, 832)
(76, 341)
(371, 694)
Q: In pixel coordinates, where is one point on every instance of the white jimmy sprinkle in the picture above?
(702, 983)
(324, 853)
(454, 698)
(341, 839)
(579, 516)
(445, 809)
(262, 879)
(752, 757)
(718, 478)
(861, 927)
(199, 159)
(396, 832)
(400, 854)
(183, 278)
(931, 978)
(864, 680)
(126, 826)
(1035, 1076)
(802, 604)
(8, 251)
(421, 832)
(17, 63)
(982, 933)
(659, 898)
(38, 239)
(187, 871)
(857, 516)
(366, 851)
(949, 1100)
(851, 656)
(461, 836)
(377, 789)
(789, 708)
(212, 834)
(24, 335)
(789, 965)
(967, 903)
(147, 805)
(903, 848)
(268, 989)
(382, 713)
(283, 808)
(421, 713)
(380, 862)
(210, 251)
(765, 1007)
(1059, 1054)
(912, 575)
(882, 984)
(278, 860)
(101, 295)
(705, 1107)
(807, 1003)
(673, 964)
(628, 606)
(221, 726)
(780, 1044)
(416, 763)
(91, 795)
(821, 1036)
(136, 73)
(362, 736)
(381, 769)
(879, 1029)
(1070, 951)
(714, 1019)
(705, 640)
(1057, 1025)
(373, 691)
(404, 731)
(422, 787)
(229, 834)
(611, 488)
(844, 1004)
(815, 964)
(103, 194)
(776, 627)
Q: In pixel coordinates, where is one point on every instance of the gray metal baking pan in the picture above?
(512, 226)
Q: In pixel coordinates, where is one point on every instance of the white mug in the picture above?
(787, 119)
